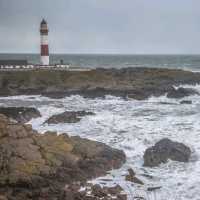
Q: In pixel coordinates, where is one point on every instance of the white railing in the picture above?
(37, 67)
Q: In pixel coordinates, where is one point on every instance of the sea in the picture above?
(132, 126)
(186, 62)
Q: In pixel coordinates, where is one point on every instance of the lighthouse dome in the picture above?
(43, 22)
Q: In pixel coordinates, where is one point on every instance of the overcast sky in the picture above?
(102, 26)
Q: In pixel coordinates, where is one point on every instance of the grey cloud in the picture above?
(102, 26)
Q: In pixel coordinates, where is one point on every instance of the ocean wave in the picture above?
(133, 126)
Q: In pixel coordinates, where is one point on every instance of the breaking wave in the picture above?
(133, 126)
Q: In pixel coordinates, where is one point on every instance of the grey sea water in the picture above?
(132, 126)
(187, 62)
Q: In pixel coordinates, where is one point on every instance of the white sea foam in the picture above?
(133, 126)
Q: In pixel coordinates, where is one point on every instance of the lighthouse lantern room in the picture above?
(44, 43)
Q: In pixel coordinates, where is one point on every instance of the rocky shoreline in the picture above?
(39, 166)
(136, 83)
(57, 167)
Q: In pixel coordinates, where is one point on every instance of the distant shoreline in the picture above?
(136, 83)
(118, 61)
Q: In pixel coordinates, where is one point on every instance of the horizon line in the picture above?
(120, 54)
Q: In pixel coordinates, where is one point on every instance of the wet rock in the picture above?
(108, 193)
(20, 114)
(122, 197)
(35, 166)
(114, 190)
(95, 192)
(68, 117)
(181, 92)
(186, 102)
(138, 95)
(132, 178)
(166, 149)
(98, 191)
(151, 189)
(138, 198)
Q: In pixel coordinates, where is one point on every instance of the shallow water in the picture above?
(133, 126)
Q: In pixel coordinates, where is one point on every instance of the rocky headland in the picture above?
(46, 166)
(137, 83)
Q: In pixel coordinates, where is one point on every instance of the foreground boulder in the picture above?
(20, 114)
(181, 92)
(166, 149)
(68, 117)
(35, 166)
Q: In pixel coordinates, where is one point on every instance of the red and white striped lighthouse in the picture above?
(44, 43)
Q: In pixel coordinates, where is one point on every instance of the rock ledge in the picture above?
(35, 165)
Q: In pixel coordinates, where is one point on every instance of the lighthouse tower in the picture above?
(44, 43)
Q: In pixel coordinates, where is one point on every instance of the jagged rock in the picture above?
(108, 193)
(166, 149)
(186, 102)
(114, 190)
(20, 114)
(132, 178)
(98, 191)
(150, 189)
(94, 192)
(37, 165)
(68, 117)
(181, 92)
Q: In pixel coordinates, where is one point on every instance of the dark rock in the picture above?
(95, 192)
(35, 166)
(166, 149)
(139, 198)
(122, 197)
(98, 191)
(150, 189)
(20, 114)
(186, 102)
(138, 95)
(147, 176)
(68, 117)
(114, 190)
(181, 92)
(132, 178)
(131, 172)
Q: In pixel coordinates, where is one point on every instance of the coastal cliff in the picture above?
(137, 83)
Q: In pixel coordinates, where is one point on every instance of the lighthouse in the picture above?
(44, 43)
